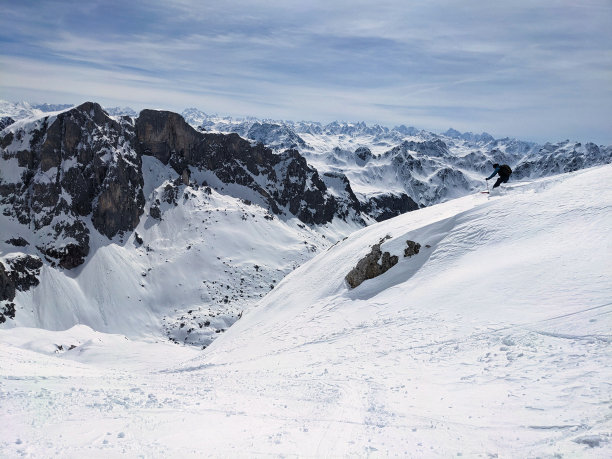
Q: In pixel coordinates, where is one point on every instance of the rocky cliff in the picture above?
(285, 182)
(63, 175)
(63, 171)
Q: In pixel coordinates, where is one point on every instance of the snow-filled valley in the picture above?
(493, 341)
(187, 277)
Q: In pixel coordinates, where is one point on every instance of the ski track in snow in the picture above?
(493, 342)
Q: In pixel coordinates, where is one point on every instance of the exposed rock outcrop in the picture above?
(412, 249)
(385, 206)
(6, 121)
(363, 155)
(7, 286)
(20, 274)
(17, 242)
(155, 211)
(24, 271)
(372, 265)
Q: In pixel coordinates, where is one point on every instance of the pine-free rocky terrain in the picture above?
(123, 236)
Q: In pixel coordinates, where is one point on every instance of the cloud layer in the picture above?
(534, 70)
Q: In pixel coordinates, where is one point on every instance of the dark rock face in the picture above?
(166, 135)
(6, 121)
(363, 155)
(7, 286)
(347, 200)
(155, 211)
(24, 271)
(20, 274)
(289, 183)
(121, 201)
(369, 267)
(68, 256)
(170, 194)
(412, 249)
(76, 164)
(386, 206)
(17, 242)
(7, 312)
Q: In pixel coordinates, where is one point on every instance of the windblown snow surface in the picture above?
(494, 341)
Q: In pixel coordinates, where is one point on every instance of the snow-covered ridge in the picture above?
(121, 111)
(23, 109)
(19, 110)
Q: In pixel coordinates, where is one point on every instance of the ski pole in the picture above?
(487, 186)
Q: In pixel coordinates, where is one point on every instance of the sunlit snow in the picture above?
(494, 341)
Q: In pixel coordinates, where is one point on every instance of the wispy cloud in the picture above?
(539, 70)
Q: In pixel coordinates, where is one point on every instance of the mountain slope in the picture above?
(493, 341)
(148, 227)
(532, 249)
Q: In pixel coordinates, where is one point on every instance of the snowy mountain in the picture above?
(404, 167)
(22, 110)
(121, 111)
(488, 335)
(11, 112)
(149, 227)
(52, 107)
(19, 110)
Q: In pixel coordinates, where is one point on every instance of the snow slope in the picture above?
(492, 342)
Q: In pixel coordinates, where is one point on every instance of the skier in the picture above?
(504, 172)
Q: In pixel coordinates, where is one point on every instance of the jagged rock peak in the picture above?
(435, 147)
(162, 133)
(71, 166)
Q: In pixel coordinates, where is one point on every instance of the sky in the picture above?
(539, 71)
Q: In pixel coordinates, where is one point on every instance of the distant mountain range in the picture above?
(428, 168)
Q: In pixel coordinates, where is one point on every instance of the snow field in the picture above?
(493, 342)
